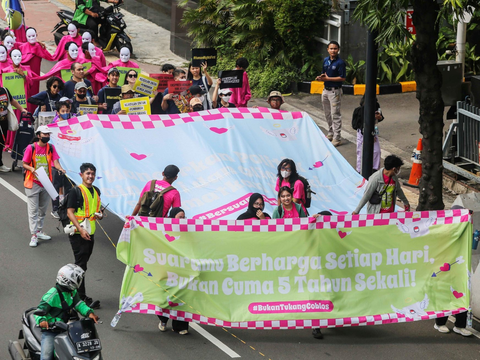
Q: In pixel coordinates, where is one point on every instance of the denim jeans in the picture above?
(47, 345)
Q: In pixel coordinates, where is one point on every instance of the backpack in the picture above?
(307, 191)
(280, 209)
(152, 201)
(62, 207)
(357, 118)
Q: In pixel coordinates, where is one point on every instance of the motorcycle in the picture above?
(112, 28)
(76, 340)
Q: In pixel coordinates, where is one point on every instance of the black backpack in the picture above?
(357, 118)
(152, 201)
(307, 191)
(62, 207)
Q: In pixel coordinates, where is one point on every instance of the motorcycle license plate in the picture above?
(88, 345)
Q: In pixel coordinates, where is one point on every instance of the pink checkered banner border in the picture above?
(322, 222)
(380, 319)
(133, 122)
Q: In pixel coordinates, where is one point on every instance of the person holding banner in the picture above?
(221, 98)
(168, 103)
(81, 97)
(255, 209)
(37, 155)
(241, 96)
(127, 93)
(275, 100)
(5, 100)
(113, 77)
(287, 209)
(204, 81)
(288, 176)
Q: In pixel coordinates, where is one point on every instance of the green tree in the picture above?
(387, 17)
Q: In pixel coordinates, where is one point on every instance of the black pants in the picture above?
(3, 137)
(460, 320)
(92, 24)
(177, 325)
(82, 250)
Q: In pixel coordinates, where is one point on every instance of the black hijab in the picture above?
(174, 212)
(251, 211)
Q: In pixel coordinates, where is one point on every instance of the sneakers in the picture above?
(462, 331)
(442, 328)
(55, 215)
(33, 241)
(336, 142)
(42, 236)
(330, 137)
(3, 168)
(162, 326)
(183, 332)
(317, 333)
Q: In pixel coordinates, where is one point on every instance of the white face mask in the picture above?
(86, 37)
(3, 54)
(72, 30)
(31, 36)
(182, 79)
(16, 56)
(73, 51)
(285, 174)
(226, 98)
(91, 50)
(9, 42)
(202, 98)
(124, 55)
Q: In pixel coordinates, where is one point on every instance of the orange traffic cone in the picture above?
(416, 172)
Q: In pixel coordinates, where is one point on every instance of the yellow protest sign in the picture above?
(145, 85)
(87, 109)
(136, 106)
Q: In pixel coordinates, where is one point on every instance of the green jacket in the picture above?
(300, 211)
(80, 7)
(52, 305)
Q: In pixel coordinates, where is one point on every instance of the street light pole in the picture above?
(370, 102)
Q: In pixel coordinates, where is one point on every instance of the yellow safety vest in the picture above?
(91, 205)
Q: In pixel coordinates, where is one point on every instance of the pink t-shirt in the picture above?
(298, 191)
(387, 198)
(290, 214)
(171, 199)
(41, 158)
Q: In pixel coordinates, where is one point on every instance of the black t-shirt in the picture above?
(5, 98)
(72, 198)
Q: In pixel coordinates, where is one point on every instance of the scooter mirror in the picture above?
(61, 325)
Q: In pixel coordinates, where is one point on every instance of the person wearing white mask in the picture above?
(87, 37)
(95, 74)
(9, 42)
(124, 60)
(4, 59)
(72, 36)
(221, 97)
(287, 175)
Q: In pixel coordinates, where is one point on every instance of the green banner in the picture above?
(123, 73)
(16, 85)
(391, 268)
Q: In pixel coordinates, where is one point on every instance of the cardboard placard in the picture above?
(178, 87)
(200, 56)
(16, 85)
(136, 106)
(145, 85)
(231, 78)
(123, 73)
(87, 109)
(45, 118)
(112, 95)
(86, 66)
(163, 80)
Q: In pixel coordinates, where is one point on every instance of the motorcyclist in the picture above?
(69, 278)
(86, 14)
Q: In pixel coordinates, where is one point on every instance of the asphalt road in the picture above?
(27, 273)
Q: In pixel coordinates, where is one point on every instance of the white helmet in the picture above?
(70, 276)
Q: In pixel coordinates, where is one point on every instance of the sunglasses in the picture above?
(227, 94)
(55, 86)
(132, 75)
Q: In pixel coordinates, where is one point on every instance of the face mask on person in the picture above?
(3, 54)
(81, 96)
(31, 36)
(64, 116)
(285, 174)
(73, 51)
(124, 54)
(182, 79)
(202, 98)
(226, 98)
(72, 30)
(16, 56)
(86, 37)
(45, 139)
(9, 42)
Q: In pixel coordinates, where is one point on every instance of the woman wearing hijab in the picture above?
(177, 325)
(255, 209)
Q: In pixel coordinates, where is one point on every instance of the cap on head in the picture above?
(196, 90)
(275, 94)
(195, 101)
(171, 171)
(113, 69)
(224, 91)
(66, 99)
(43, 129)
(127, 88)
(80, 85)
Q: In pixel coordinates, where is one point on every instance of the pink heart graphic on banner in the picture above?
(138, 156)
(457, 294)
(218, 130)
(342, 234)
(137, 268)
(170, 238)
(172, 304)
(445, 267)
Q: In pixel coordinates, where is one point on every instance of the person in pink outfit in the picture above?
(73, 35)
(95, 73)
(64, 64)
(241, 96)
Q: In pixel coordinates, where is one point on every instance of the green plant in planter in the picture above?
(355, 71)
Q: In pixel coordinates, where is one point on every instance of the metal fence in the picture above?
(468, 131)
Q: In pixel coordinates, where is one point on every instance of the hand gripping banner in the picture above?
(332, 271)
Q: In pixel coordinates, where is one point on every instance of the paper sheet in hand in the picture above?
(47, 184)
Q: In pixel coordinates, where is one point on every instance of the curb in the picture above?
(316, 87)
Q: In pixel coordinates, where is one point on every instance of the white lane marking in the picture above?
(13, 190)
(214, 340)
(472, 330)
